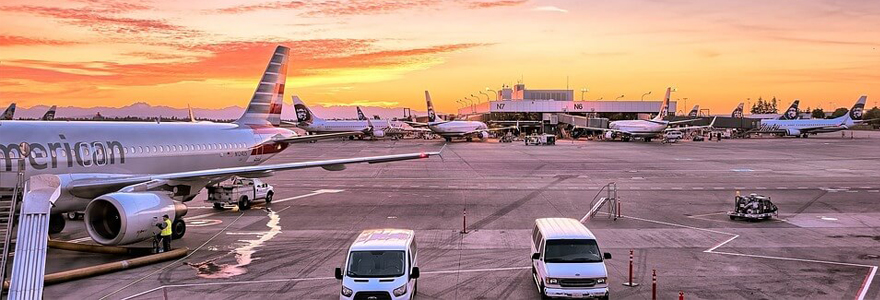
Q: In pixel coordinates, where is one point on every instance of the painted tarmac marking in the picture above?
(314, 193)
(863, 290)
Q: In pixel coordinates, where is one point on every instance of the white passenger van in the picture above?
(566, 261)
(382, 264)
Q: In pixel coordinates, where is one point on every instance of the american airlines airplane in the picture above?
(645, 129)
(805, 127)
(308, 121)
(50, 114)
(455, 129)
(9, 113)
(125, 174)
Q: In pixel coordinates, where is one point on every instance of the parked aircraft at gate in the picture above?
(308, 121)
(805, 127)
(123, 174)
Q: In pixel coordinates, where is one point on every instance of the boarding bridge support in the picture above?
(29, 265)
(8, 201)
(606, 197)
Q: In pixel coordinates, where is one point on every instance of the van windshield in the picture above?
(572, 251)
(376, 264)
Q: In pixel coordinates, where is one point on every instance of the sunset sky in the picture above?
(387, 52)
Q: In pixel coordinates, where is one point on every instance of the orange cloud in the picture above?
(11, 40)
(500, 3)
(103, 18)
(226, 61)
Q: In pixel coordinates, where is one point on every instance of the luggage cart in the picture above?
(753, 207)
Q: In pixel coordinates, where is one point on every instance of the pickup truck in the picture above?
(241, 192)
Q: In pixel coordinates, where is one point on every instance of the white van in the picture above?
(566, 261)
(382, 264)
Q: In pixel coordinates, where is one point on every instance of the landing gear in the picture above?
(647, 140)
(469, 139)
(244, 203)
(178, 229)
(448, 139)
(56, 223)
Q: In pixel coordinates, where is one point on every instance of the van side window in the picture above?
(535, 236)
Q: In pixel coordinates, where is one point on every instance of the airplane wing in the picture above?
(317, 137)
(94, 187)
(685, 121)
(711, 125)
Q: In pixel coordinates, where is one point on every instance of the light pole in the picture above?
(645, 94)
(493, 92)
(583, 90)
(487, 96)
(472, 103)
(618, 97)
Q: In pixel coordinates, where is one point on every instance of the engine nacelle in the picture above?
(126, 218)
(793, 132)
(378, 133)
(609, 135)
(484, 135)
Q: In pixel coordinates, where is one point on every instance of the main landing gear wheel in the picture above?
(449, 139)
(178, 229)
(269, 197)
(56, 223)
(244, 203)
(469, 139)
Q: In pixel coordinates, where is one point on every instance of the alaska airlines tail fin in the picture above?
(265, 105)
(738, 112)
(855, 113)
(50, 114)
(361, 115)
(694, 112)
(432, 116)
(303, 113)
(9, 113)
(792, 112)
(664, 108)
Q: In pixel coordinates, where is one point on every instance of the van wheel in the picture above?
(269, 197)
(218, 206)
(244, 203)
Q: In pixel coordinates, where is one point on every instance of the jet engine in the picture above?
(793, 132)
(126, 218)
(484, 135)
(378, 133)
(609, 135)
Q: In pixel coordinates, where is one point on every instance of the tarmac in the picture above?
(674, 199)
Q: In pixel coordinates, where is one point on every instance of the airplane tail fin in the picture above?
(303, 113)
(9, 113)
(694, 112)
(855, 113)
(266, 103)
(738, 112)
(664, 108)
(361, 115)
(792, 112)
(432, 116)
(50, 114)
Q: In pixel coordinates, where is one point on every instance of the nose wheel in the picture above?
(178, 229)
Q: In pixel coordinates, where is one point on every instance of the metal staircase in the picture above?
(8, 201)
(610, 200)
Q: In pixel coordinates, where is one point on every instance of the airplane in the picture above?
(455, 129)
(805, 127)
(646, 129)
(310, 122)
(50, 114)
(125, 174)
(792, 112)
(694, 112)
(9, 112)
(738, 112)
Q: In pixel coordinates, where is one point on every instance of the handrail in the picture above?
(16, 191)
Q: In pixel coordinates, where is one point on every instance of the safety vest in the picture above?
(167, 230)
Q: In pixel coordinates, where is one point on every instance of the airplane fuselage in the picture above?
(89, 149)
(457, 128)
(795, 127)
(639, 128)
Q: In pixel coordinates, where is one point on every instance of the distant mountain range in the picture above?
(144, 110)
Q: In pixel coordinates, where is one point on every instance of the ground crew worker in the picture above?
(166, 233)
